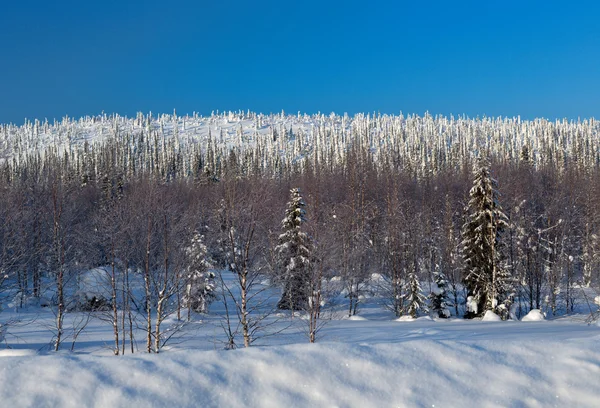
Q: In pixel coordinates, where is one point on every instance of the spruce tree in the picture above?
(294, 255)
(414, 296)
(439, 296)
(200, 288)
(486, 277)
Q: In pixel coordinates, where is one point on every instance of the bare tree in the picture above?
(243, 218)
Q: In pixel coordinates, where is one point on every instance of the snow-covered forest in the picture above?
(278, 226)
(385, 194)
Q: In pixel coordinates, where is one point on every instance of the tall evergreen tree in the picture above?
(294, 253)
(486, 277)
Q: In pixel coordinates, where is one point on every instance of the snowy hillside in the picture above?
(279, 143)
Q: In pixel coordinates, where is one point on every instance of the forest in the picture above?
(161, 203)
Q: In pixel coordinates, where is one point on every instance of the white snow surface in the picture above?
(497, 364)
(490, 316)
(95, 283)
(535, 315)
(366, 361)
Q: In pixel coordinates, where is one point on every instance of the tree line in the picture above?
(158, 210)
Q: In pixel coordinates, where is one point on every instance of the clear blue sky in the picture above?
(528, 58)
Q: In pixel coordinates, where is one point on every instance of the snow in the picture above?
(490, 316)
(94, 283)
(421, 367)
(363, 361)
(535, 315)
(356, 318)
(471, 305)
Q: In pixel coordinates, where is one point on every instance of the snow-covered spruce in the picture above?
(440, 305)
(294, 256)
(415, 300)
(200, 287)
(487, 278)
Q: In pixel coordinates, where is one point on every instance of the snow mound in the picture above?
(432, 373)
(425, 318)
(16, 353)
(535, 315)
(490, 317)
(356, 318)
(95, 283)
(405, 319)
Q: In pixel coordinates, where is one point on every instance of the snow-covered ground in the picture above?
(370, 360)
(538, 366)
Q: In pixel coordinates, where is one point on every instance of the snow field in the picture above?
(414, 373)
(367, 361)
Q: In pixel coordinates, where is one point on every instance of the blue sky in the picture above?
(528, 58)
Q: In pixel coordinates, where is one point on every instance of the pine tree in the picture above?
(486, 277)
(439, 296)
(525, 157)
(200, 289)
(294, 253)
(414, 296)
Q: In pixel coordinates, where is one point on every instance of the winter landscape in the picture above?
(299, 204)
(243, 259)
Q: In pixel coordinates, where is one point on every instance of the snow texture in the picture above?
(535, 315)
(423, 373)
(364, 361)
(490, 316)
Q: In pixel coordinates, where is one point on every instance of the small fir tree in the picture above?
(294, 253)
(440, 304)
(414, 297)
(200, 289)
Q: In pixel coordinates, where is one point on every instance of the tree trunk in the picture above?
(115, 309)
(147, 289)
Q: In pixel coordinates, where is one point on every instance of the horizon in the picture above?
(340, 114)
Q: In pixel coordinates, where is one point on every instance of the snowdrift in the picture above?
(535, 315)
(490, 316)
(412, 373)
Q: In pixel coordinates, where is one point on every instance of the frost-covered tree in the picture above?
(415, 300)
(439, 296)
(487, 279)
(385, 177)
(294, 255)
(200, 288)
